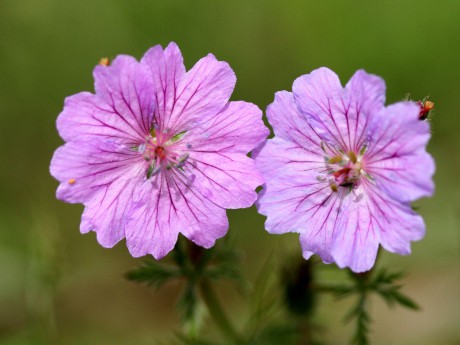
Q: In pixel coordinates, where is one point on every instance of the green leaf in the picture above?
(392, 296)
(153, 274)
(385, 285)
(363, 321)
(405, 301)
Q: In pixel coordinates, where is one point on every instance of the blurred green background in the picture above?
(57, 284)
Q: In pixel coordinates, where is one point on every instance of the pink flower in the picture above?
(342, 169)
(158, 151)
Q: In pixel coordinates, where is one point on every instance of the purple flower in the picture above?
(342, 169)
(158, 151)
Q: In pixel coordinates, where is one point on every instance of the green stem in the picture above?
(217, 313)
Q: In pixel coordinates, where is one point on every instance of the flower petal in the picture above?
(122, 108)
(163, 210)
(291, 188)
(367, 90)
(108, 211)
(202, 92)
(227, 179)
(322, 217)
(404, 226)
(375, 218)
(288, 123)
(84, 167)
(166, 68)
(396, 157)
(237, 128)
(340, 116)
(319, 97)
(356, 239)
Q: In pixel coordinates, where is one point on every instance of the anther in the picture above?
(152, 171)
(71, 181)
(352, 156)
(334, 187)
(334, 160)
(183, 158)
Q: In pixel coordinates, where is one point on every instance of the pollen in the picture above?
(104, 61)
(334, 187)
(335, 159)
(71, 181)
(352, 156)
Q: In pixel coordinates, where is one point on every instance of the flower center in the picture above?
(163, 152)
(343, 169)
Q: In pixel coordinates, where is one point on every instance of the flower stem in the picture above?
(217, 313)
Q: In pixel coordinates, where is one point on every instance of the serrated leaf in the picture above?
(153, 274)
(405, 301)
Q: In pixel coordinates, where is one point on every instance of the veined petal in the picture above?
(356, 239)
(166, 68)
(227, 179)
(396, 157)
(322, 219)
(319, 97)
(374, 218)
(237, 128)
(367, 92)
(403, 225)
(291, 186)
(203, 221)
(127, 88)
(84, 167)
(152, 227)
(288, 123)
(202, 92)
(163, 210)
(121, 110)
(340, 116)
(108, 210)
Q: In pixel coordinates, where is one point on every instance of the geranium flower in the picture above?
(342, 169)
(158, 151)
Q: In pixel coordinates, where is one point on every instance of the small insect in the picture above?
(426, 108)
